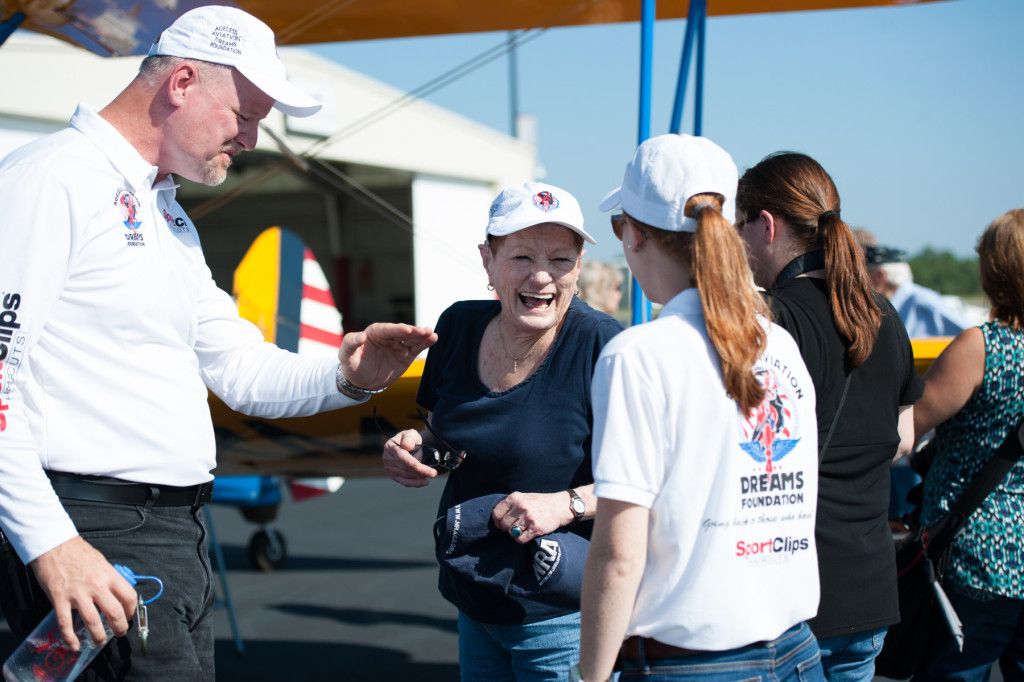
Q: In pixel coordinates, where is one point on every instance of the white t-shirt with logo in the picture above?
(731, 557)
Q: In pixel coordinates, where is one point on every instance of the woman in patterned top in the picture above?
(974, 397)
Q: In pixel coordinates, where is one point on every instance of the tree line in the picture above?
(946, 273)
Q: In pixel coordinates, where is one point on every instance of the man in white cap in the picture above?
(111, 330)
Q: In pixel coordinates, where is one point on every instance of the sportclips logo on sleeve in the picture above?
(12, 348)
(177, 225)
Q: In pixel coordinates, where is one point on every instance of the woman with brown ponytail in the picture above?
(860, 359)
(702, 561)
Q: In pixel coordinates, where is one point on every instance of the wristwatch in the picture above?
(576, 504)
(345, 386)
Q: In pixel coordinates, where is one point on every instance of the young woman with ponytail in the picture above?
(862, 364)
(702, 560)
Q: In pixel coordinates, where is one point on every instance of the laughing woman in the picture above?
(509, 384)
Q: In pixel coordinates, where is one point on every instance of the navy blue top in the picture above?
(534, 437)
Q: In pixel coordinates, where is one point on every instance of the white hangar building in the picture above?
(393, 210)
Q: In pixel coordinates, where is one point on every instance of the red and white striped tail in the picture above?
(319, 335)
(319, 320)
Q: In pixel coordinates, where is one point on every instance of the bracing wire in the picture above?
(336, 178)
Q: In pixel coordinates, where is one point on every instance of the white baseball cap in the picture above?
(533, 203)
(229, 36)
(665, 172)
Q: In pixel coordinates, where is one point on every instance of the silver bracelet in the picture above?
(346, 387)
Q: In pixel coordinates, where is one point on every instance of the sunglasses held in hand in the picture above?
(442, 461)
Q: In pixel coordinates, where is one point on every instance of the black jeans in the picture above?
(166, 542)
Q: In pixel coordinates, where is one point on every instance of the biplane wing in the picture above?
(123, 27)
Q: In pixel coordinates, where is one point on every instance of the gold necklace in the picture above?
(515, 360)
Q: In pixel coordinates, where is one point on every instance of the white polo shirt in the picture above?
(731, 558)
(111, 329)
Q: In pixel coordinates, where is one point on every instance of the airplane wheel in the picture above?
(267, 550)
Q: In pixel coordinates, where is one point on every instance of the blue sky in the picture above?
(916, 111)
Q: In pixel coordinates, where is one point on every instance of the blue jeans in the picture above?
(169, 543)
(545, 650)
(851, 658)
(792, 656)
(993, 631)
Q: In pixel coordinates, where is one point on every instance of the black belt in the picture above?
(654, 650)
(106, 489)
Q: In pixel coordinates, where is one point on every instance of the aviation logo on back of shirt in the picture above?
(769, 433)
(771, 430)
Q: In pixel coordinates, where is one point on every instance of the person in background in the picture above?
(601, 286)
(858, 353)
(701, 418)
(924, 312)
(111, 330)
(974, 398)
(509, 385)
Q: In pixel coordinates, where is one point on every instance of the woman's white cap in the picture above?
(533, 203)
(665, 172)
(229, 36)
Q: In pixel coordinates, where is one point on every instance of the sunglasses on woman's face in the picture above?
(616, 220)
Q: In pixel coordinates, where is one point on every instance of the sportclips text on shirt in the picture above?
(12, 344)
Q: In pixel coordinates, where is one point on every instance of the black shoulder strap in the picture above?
(981, 485)
(835, 419)
(805, 262)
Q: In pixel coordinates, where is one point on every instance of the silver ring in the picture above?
(515, 531)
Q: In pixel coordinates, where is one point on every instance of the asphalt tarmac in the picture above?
(356, 598)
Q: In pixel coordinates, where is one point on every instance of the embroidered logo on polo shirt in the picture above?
(129, 206)
(177, 225)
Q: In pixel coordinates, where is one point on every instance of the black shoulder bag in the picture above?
(921, 559)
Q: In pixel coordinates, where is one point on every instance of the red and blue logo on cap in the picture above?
(545, 201)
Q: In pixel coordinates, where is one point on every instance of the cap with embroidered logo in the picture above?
(534, 203)
(547, 569)
(665, 172)
(229, 36)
